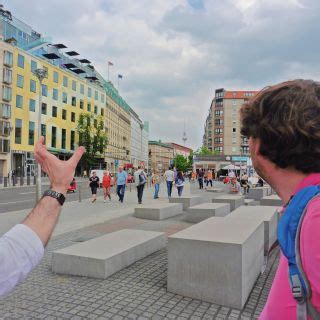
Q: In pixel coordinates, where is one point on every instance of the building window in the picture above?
(64, 97)
(4, 145)
(82, 88)
(218, 131)
(32, 105)
(33, 86)
(89, 107)
(20, 61)
(63, 138)
(102, 98)
(7, 76)
(44, 131)
(54, 111)
(73, 117)
(81, 104)
(19, 101)
(44, 108)
(89, 92)
(64, 114)
(20, 81)
(73, 101)
(8, 58)
(65, 81)
(6, 93)
(55, 94)
(47, 71)
(102, 112)
(234, 149)
(55, 76)
(44, 90)
(218, 140)
(18, 131)
(53, 137)
(96, 95)
(95, 109)
(31, 133)
(33, 66)
(218, 149)
(72, 140)
(234, 129)
(74, 85)
(6, 110)
(5, 128)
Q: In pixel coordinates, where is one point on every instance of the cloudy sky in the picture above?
(173, 54)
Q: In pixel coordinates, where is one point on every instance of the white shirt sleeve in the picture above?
(20, 251)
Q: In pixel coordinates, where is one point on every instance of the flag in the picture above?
(110, 63)
(120, 76)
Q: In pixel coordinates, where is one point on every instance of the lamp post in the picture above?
(40, 74)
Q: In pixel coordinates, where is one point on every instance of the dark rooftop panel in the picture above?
(78, 71)
(51, 56)
(72, 53)
(70, 65)
(84, 61)
(60, 46)
(92, 78)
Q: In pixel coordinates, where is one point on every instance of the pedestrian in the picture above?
(23, 246)
(84, 173)
(156, 183)
(282, 124)
(179, 182)
(200, 178)
(106, 185)
(244, 183)
(94, 184)
(260, 182)
(121, 183)
(209, 178)
(140, 179)
(169, 178)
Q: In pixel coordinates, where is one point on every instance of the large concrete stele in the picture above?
(216, 190)
(187, 201)
(103, 256)
(235, 201)
(216, 260)
(258, 192)
(204, 211)
(269, 217)
(158, 210)
(272, 200)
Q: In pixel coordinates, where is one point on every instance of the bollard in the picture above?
(1, 179)
(14, 181)
(21, 181)
(34, 180)
(79, 193)
(5, 182)
(28, 180)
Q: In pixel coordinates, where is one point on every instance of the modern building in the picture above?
(160, 155)
(178, 149)
(222, 127)
(72, 86)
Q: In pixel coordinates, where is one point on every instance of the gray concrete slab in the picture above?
(267, 214)
(103, 256)
(273, 200)
(204, 211)
(158, 210)
(187, 201)
(235, 201)
(251, 202)
(216, 260)
(216, 190)
(258, 193)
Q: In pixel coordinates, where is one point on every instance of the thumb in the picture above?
(77, 156)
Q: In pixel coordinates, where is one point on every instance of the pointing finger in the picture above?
(77, 156)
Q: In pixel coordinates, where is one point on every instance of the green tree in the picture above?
(204, 151)
(92, 136)
(181, 163)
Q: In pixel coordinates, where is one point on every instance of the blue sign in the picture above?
(240, 159)
(116, 162)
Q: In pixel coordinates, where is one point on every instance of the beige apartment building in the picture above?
(160, 155)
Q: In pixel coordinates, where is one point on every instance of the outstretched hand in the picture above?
(60, 172)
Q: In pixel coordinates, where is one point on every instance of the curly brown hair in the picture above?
(286, 120)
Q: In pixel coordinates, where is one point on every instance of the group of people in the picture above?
(204, 177)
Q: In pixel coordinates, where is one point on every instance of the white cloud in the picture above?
(173, 54)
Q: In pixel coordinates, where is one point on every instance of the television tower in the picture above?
(184, 136)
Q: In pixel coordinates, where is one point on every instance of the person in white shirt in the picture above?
(140, 180)
(22, 247)
(169, 177)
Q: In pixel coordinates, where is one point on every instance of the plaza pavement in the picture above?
(136, 292)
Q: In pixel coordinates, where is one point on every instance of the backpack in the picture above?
(289, 229)
(142, 178)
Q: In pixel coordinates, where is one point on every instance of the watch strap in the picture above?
(56, 195)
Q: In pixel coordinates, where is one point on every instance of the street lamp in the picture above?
(40, 74)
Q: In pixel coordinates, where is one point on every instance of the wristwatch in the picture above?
(54, 194)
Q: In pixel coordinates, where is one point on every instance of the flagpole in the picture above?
(108, 71)
(118, 82)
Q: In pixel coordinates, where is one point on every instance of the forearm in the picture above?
(43, 218)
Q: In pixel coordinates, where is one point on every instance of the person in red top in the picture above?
(106, 185)
(282, 124)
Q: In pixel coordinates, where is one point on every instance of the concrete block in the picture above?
(216, 260)
(258, 193)
(273, 200)
(158, 211)
(187, 201)
(204, 211)
(267, 215)
(216, 190)
(103, 256)
(251, 202)
(235, 201)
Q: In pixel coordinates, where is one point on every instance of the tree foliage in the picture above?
(182, 163)
(92, 136)
(204, 151)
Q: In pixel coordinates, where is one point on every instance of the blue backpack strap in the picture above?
(289, 229)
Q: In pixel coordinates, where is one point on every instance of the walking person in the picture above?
(94, 183)
(179, 182)
(209, 178)
(244, 183)
(121, 183)
(200, 178)
(106, 185)
(282, 124)
(169, 177)
(140, 179)
(156, 183)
